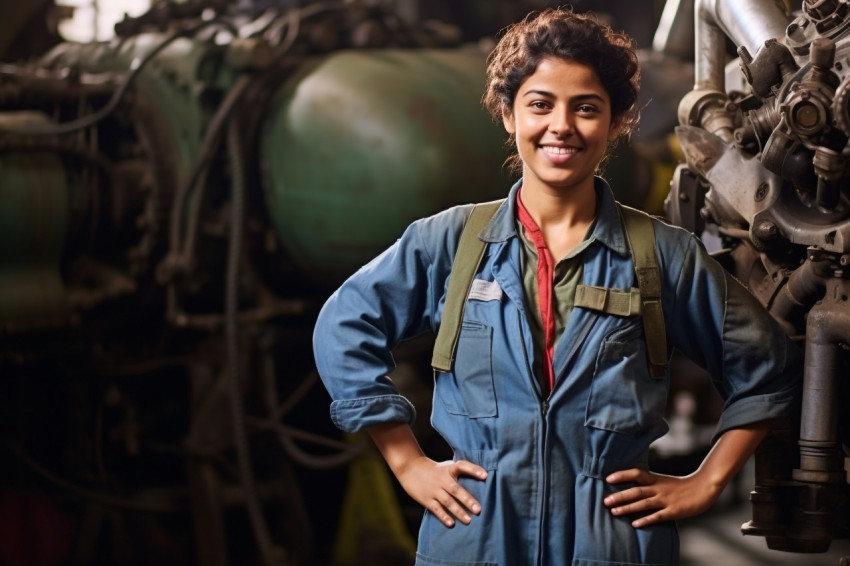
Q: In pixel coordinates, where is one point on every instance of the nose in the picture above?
(562, 123)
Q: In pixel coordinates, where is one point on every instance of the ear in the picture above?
(508, 121)
(615, 129)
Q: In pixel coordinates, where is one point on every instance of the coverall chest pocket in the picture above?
(623, 396)
(469, 390)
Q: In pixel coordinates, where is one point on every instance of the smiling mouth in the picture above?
(559, 150)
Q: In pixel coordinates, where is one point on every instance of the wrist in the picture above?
(714, 481)
(397, 445)
(729, 454)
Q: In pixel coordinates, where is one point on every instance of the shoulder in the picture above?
(685, 262)
(671, 242)
(678, 251)
(439, 233)
(448, 219)
(667, 235)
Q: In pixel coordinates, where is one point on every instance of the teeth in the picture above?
(559, 150)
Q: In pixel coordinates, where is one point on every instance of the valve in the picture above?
(808, 110)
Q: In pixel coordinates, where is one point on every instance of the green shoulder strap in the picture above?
(470, 250)
(646, 299)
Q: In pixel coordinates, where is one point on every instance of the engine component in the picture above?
(177, 203)
(34, 220)
(776, 188)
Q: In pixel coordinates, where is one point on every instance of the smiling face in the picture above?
(561, 119)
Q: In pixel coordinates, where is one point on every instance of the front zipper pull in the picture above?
(544, 407)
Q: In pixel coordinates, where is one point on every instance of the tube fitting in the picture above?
(710, 110)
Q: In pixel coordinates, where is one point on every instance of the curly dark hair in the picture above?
(578, 37)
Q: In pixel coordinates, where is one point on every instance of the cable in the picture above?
(738, 233)
(182, 251)
(231, 305)
(198, 176)
(286, 437)
(136, 67)
(150, 505)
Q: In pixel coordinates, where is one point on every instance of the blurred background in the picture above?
(182, 184)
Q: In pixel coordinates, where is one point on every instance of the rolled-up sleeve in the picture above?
(392, 298)
(718, 323)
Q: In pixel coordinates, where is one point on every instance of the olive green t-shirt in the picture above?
(567, 275)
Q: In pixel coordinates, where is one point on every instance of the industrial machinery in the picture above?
(176, 205)
(765, 135)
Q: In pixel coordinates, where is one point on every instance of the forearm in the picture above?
(397, 445)
(730, 453)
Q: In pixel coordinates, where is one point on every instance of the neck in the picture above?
(550, 208)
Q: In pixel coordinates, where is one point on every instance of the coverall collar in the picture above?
(608, 230)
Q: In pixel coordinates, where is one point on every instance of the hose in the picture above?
(231, 306)
(136, 67)
(197, 177)
(286, 435)
(183, 251)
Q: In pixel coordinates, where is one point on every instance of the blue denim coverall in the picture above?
(547, 458)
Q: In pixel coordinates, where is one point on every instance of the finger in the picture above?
(437, 509)
(657, 517)
(629, 496)
(464, 497)
(642, 503)
(619, 498)
(632, 475)
(467, 468)
(453, 506)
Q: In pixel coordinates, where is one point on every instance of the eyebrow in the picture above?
(576, 98)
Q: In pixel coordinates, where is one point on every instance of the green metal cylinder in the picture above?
(357, 144)
(33, 227)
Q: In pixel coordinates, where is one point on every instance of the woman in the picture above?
(550, 407)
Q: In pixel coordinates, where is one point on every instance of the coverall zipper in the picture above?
(544, 410)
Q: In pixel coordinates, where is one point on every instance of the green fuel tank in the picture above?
(357, 144)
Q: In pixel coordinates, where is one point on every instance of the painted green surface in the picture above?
(360, 143)
(33, 226)
(353, 147)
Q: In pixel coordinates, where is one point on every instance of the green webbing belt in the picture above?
(470, 250)
(611, 301)
(645, 300)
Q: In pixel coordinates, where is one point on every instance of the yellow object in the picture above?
(662, 174)
(371, 521)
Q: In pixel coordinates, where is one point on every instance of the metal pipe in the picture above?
(828, 194)
(747, 23)
(675, 32)
(828, 324)
(821, 456)
(803, 289)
